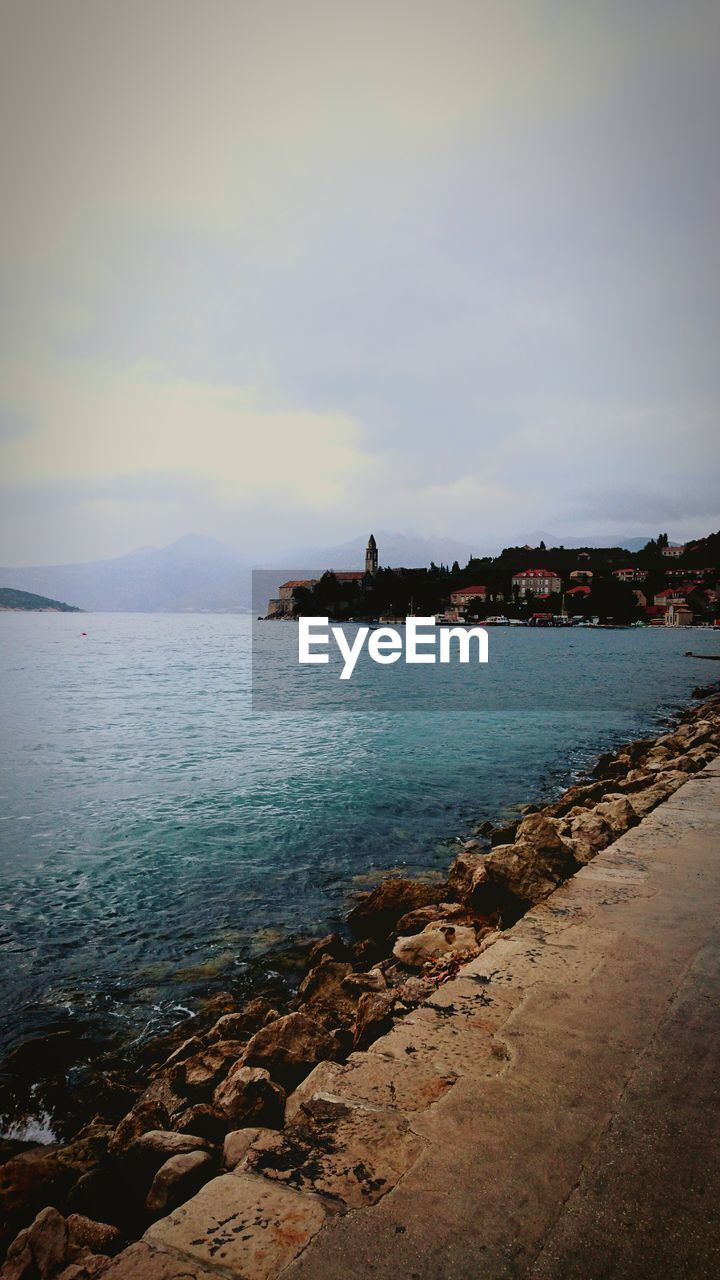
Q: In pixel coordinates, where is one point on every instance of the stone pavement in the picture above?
(551, 1113)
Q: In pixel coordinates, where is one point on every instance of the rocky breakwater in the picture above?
(252, 1093)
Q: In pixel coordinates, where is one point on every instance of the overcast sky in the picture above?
(280, 271)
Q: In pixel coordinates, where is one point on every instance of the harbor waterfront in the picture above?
(160, 842)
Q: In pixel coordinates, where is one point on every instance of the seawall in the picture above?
(551, 1112)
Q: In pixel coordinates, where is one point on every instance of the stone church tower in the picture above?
(371, 556)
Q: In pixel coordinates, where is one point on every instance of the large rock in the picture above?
(618, 812)
(701, 733)
(368, 951)
(657, 757)
(107, 1194)
(686, 763)
(377, 914)
(542, 834)
(435, 941)
(588, 832)
(637, 780)
(580, 795)
(44, 1176)
(236, 1146)
(324, 993)
(416, 990)
(331, 945)
(178, 1179)
(256, 1013)
(89, 1267)
(671, 780)
(157, 1049)
(290, 1047)
(204, 1121)
(414, 921)
(615, 764)
(152, 1149)
(145, 1115)
(461, 873)
(517, 875)
(199, 1075)
(186, 1049)
(110, 1094)
(98, 1237)
(39, 1251)
(648, 799)
(161, 1092)
(374, 1017)
(249, 1097)
(505, 833)
(357, 983)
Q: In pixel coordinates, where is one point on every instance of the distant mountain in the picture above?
(193, 574)
(198, 574)
(30, 603)
(554, 540)
(396, 550)
(411, 551)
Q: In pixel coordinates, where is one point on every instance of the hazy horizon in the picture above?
(442, 548)
(279, 273)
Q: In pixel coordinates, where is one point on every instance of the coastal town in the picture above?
(661, 585)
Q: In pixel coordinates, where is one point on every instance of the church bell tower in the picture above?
(371, 556)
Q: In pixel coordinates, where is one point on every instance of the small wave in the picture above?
(37, 1128)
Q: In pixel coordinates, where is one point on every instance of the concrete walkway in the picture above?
(553, 1112)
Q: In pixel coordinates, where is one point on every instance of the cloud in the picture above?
(203, 115)
(12, 425)
(276, 271)
(113, 443)
(137, 422)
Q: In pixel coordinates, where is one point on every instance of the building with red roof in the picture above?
(284, 604)
(671, 595)
(464, 595)
(536, 582)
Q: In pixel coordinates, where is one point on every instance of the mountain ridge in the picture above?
(198, 573)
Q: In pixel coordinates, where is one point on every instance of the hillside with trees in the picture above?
(28, 602)
(591, 585)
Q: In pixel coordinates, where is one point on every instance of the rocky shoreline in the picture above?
(222, 1087)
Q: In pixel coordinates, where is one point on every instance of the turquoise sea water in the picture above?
(157, 838)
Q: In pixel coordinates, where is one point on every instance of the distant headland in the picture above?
(27, 602)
